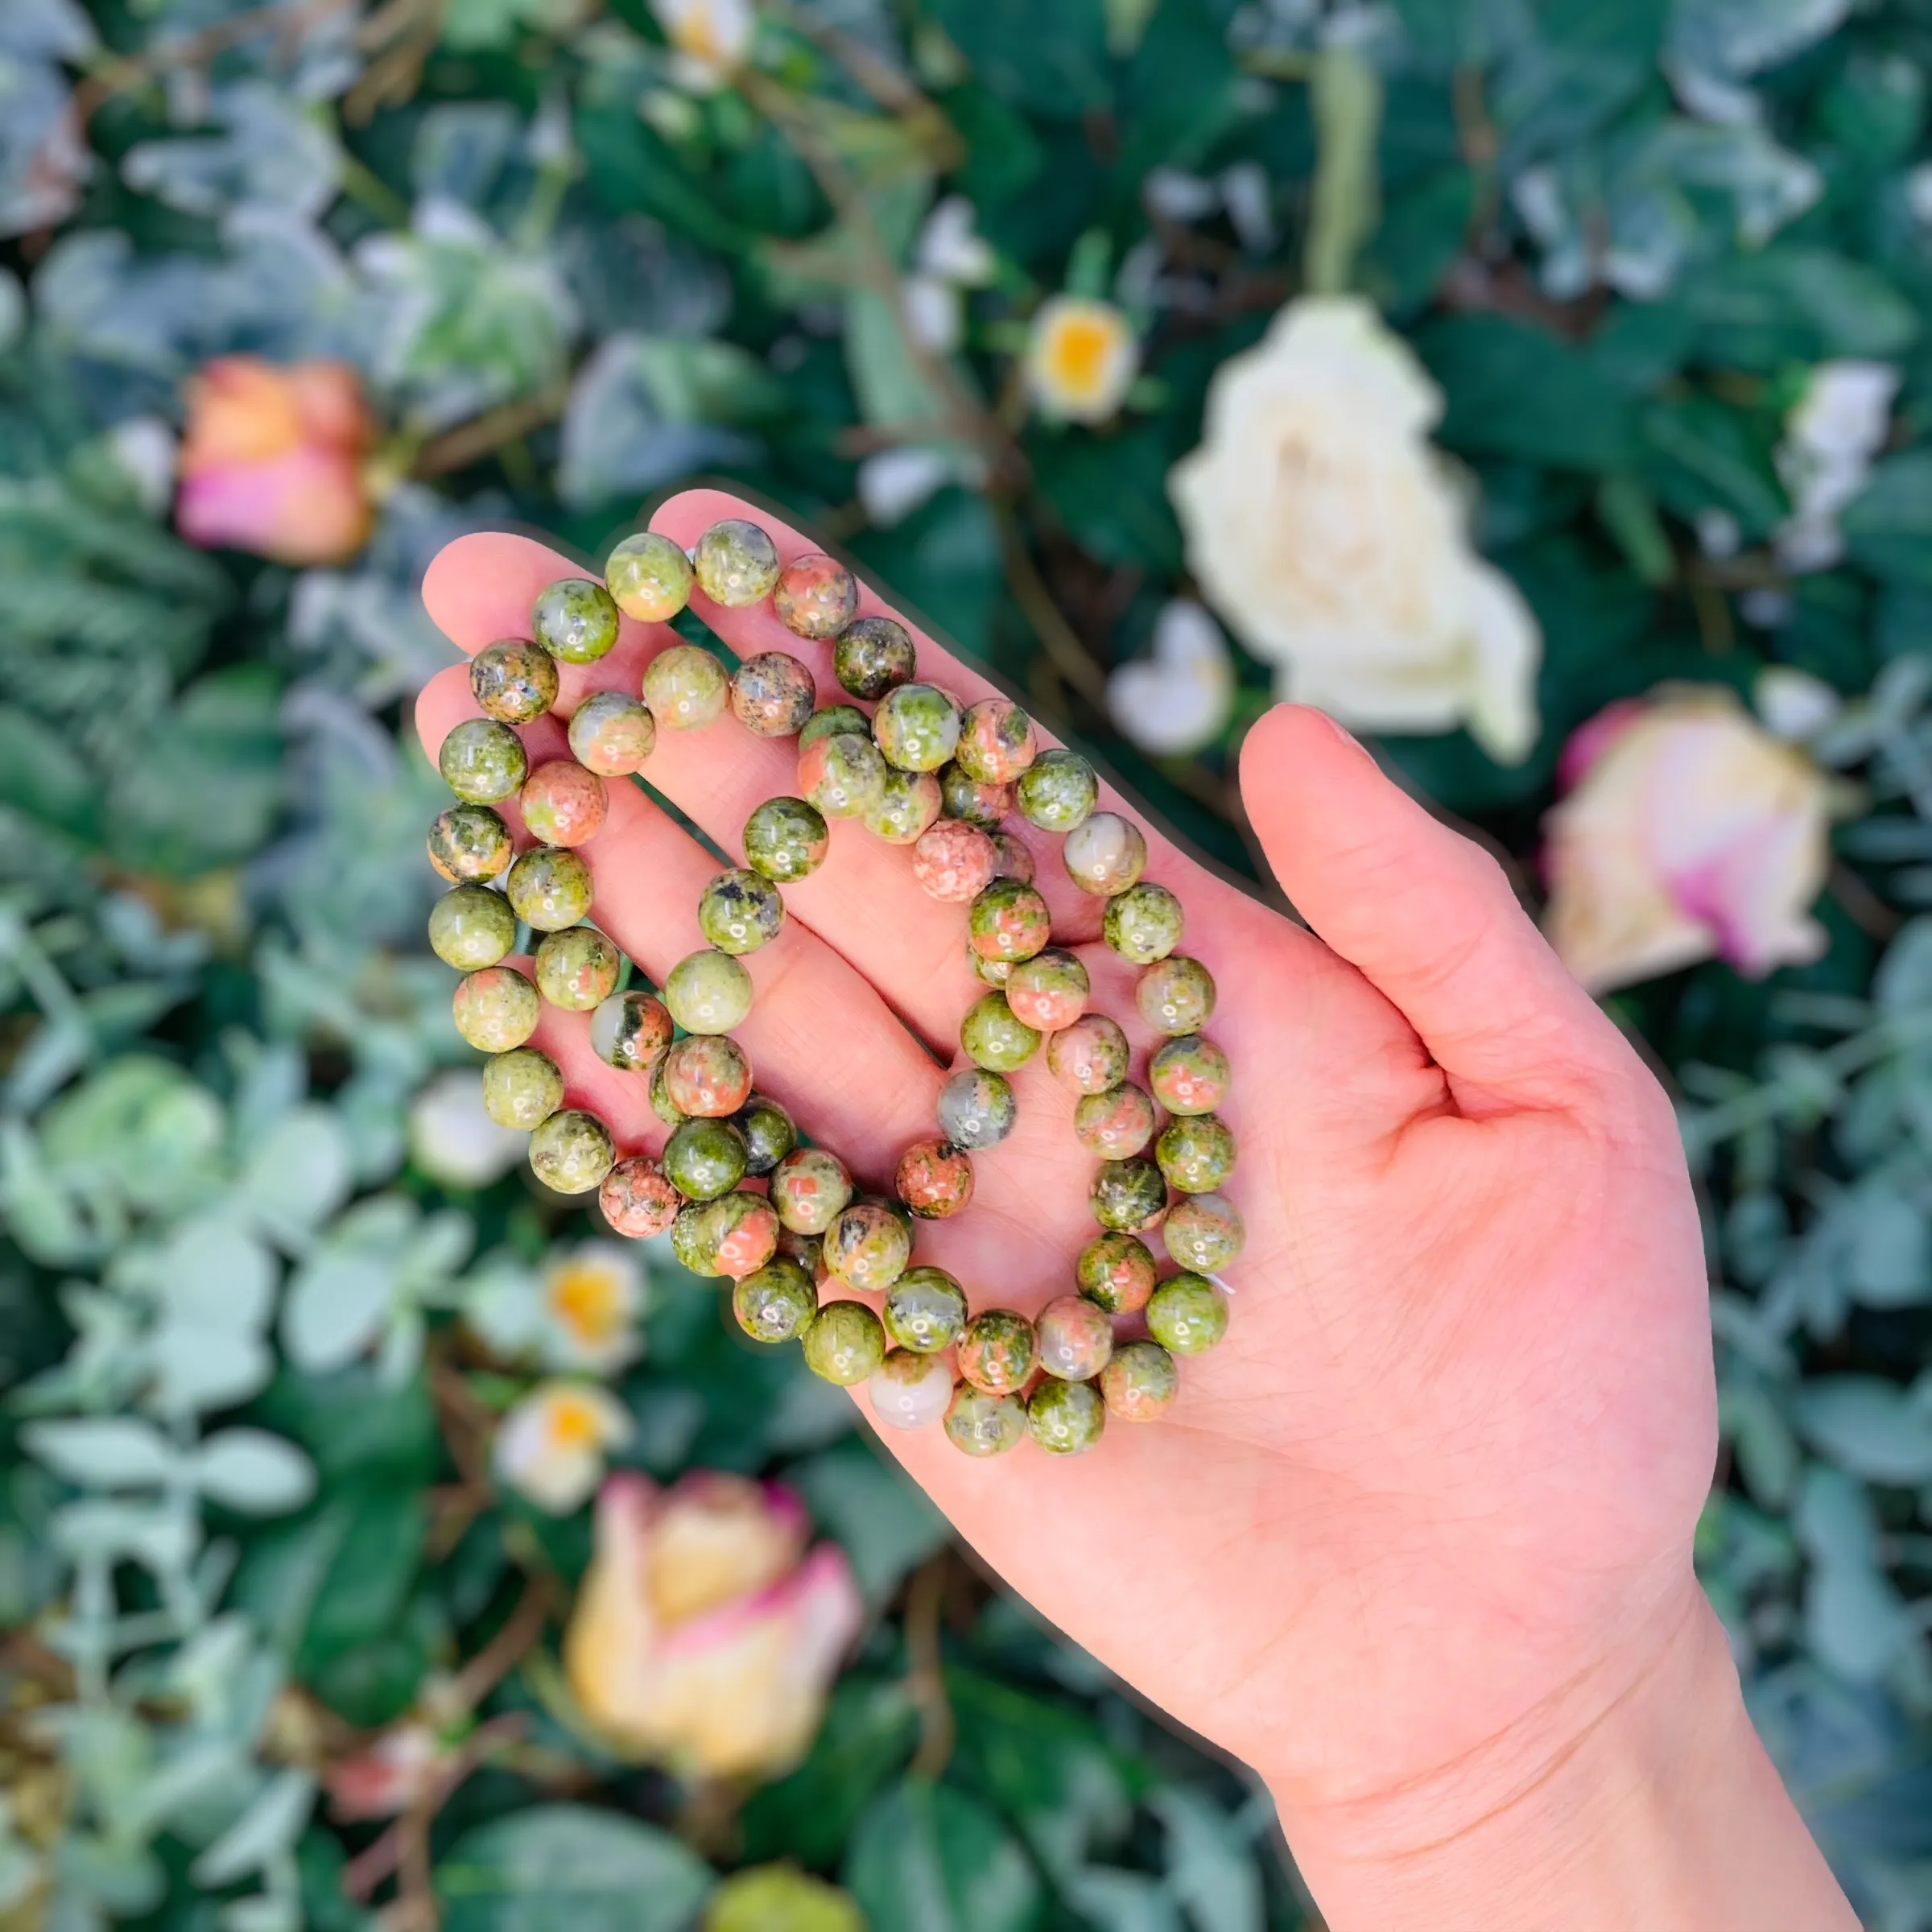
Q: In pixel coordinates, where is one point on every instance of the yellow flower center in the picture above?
(587, 1301)
(1080, 351)
(573, 1423)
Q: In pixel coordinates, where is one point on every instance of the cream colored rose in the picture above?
(1331, 537)
(1690, 833)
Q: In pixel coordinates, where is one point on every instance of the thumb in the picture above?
(1426, 916)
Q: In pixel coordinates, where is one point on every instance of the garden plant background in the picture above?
(1589, 458)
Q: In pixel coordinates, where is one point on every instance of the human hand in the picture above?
(1415, 1539)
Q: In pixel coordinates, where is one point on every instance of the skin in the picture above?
(1415, 1541)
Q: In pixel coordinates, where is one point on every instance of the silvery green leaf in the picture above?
(183, 1780)
(195, 1368)
(1867, 1427)
(629, 275)
(1729, 39)
(1855, 1622)
(335, 1309)
(1889, 1255)
(48, 30)
(461, 148)
(885, 1524)
(1903, 983)
(1115, 1900)
(41, 1215)
(437, 1248)
(211, 1272)
(299, 1175)
(1766, 1451)
(122, 1879)
(262, 1912)
(103, 1452)
(162, 1539)
(1210, 1866)
(400, 1355)
(270, 1827)
(43, 159)
(271, 152)
(249, 1469)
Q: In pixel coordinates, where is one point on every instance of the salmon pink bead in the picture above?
(996, 742)
(934, 1180)
(636, 1199)
(1189, 1076)
(1140, 1383)
(1008, 921)
(815, 596)
(707, 1076)
(953, 861)
(772, 694)
(1049, 991)
(1114, 1125)
(1076, 1338)
(563, 804)
(809, 1187)
(1089, 1056)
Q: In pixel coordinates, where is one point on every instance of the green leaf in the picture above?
(1347, 95)
(250, 1470)
(874, 1510)
(928, 1857)
(263, 1832)
(865, 1738)
(1512, 390)
(1869, 1427)
(1887, 528)
(41, 775)
(1210, 1866)
(104, 1452)
(1050, 60)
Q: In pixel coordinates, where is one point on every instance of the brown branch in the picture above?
(926, 1673)
(1062, 643)
(506, 1650)
(472, 441)
(1862, 905)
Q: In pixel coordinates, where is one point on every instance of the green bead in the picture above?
(997, 742)
(989, 973)
(976, 1108)
(925, 1311)
(708, 992)
(1204, 1232)
(815, 596)
(807, 1250)
(1189, 1075)
(658, 1093)
(786, 839)
(1188, 1314)
(685, 687)
(810, 1188)
(1065, 1418)
(1089, 1056)
(1057, 791)
(908, 805)
(571, 1152)
(1104, 853)
(872, 654)
(496, 1009)
(845, 1342)
(1196, 1153)
(867, 1246)
(522, 1089)
(1141, 1382)
(706, 1074)
(772, 694)
(482, 760)
(916, 727)
(1075, 1336)
(735, 564)
(961, 796)
(733, 1234)
(649, 577)
(844, 775)
(993, 1037)
(564, 804)
(833, 721)
(575, 619)
(469, 843)
(770, 1133)
(740, 911)
(471, 927)
(1143, 923)
(1129, 1196)
(630, 1031)
(1008, 921)
(549, 888)
(1116, 1124)
(1048, 991)
(774, 1303)
(704, 1159)
(985, 1425)
(612, 734)
(1117, 1272)
(577, 969)
(513, 680)
(1176, 995)
(996, 1352)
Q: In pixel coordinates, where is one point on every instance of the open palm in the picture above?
(1428, 1509)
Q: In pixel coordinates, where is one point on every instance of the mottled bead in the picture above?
(1116, 1273)
(496, 1009)
(1176, 995)
(786, 839)
(563, 804)
(659, 1096)
(953, 861)
(845, 1342)
(994, 1037)
(708, 1078)
(807, 1250)
(867, 1246)
(844, 775)
(978, 803)
(989, 973)
(908, 803)
(1143, 923)
(833, 721)
(1013, 857)
(1066, 1418)
(571, 1152)
(815, 596)
(685, 687)
(1116, 1124)
(735, 564)
(1048, 991)
(548, 888)
(1141, 1382)
(774, 1303)
(976, 1108)
(1056, 790)
(1128, 1195)
(1089, 1056)
(636, 1199)
(1196, 1153)
(522, 1089)
(471, 927)
(513, 680)
(708, 992)
(1008, 921)
(1104, 853)
(733, 1235)
(1074, 1337)
(985, 1425)
(741, 911)
(810, 1188)
(468, 843)
(934, 1180)
(1205, 1232)
(577, 969)
(772, 694)
(997, 742)
(1189, 1075)
(1188, 1314)
(996, 1351)
(873, 655)
(649, 577)
(909, 1391)
(769, 1131)
(575, 619)
(612, 734)
(482, 760)
(917, 726)
(630, 1029)
(924, 1310)
(704, 1159)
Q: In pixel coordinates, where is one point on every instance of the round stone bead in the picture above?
(1141, 1382)
(997, 742)
(1176, 995)
(867, 1246)
(989, 973)
(774, 1303)
(522, 1089)
(548, 888)
(685, 687)
(1143, 923)
(786, 839)
(471, 927)
(970, 798)
(630, 1029)
(873, 655)
(908, 803)
(513, 680)
(1205, 1232)
(1066, 1418)
(925, 1311)
(953, 861)
(575, 619)
(740, 911)
(1189, 1076)
(977, 1108)
(649, 577)
(810, 1188)
(496, 1009)
(815, 596)
(636, 1199)
(708, 992)
(708, 1078)
(704, 1159)
(1116, 1273)
(994, 1037)
(1089, 1056)
(1129, 1196)
(844, 775)
(996, 1351)
(571, 1152)
(1049, 991)
(735, 564)
(833, 721)
(1008, 921)
(1056, 790)
(1014, 857)
(659, 1096)
(770, 1133)
(1104, 853)
(612, 734)
(772, 694)
(845, 1342)
(1188, 1314)
(563, 804)
(577, 969)
(1196, 1153)
(916, 727)
(985, 1425)
(733, 1234)
(482, 760)
(934, 1180)
(1074, 1337)
(807, 1250)
(469, 843)
(1116, 1124)
(909, 1391)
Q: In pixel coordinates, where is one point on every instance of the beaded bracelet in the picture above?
(924, 772)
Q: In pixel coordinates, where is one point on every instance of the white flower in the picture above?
(453, 1140)
(894, 483)
(950, 247)
(1332, 538)
(1832, 435)
(1081, 358)
(1178, 699)
(935, 312)
(144, 450)
(551, 1448)
(580, 1313)
(709, 38)
(1794, 704)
